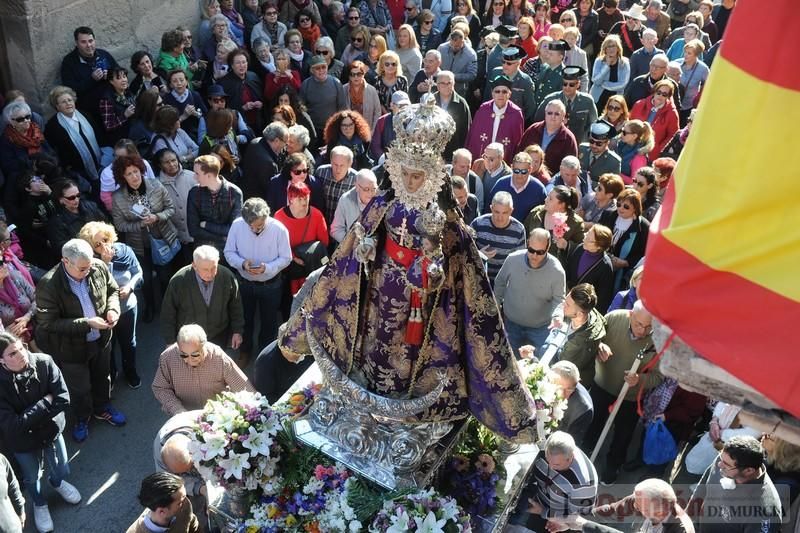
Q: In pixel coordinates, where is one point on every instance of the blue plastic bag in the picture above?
(659, 445)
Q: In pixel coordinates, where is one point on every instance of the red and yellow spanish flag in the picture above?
(723, 264)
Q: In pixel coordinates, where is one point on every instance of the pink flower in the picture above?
(319, 471)
(560, 228)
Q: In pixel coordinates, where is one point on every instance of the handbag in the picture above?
(161, 251)
(313, 254)
(659, 446)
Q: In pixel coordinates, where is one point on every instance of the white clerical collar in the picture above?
(497, 110)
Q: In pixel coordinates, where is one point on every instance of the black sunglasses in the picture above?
(534, 251)
(21, 119)
(321, 52)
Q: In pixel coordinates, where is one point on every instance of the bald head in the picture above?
(175, 454)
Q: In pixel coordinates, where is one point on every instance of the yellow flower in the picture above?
(291, 520)
(272, 511)
(252, 529)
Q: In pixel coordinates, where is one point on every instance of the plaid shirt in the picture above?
(332, 189)
(179, 387)
(218, 211)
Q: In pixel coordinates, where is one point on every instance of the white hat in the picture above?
(635, 12)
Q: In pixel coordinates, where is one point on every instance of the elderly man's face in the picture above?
(461, 166)
(641, 323)
(569, 175)
(431, 64)
(320, 72)
(192, 353)
(491, 160)
(654, 510)
(461, 196)
(553, 116)
(652, 11)
(537, 252)
(501, 215)
(657, 69)
(649, 40)
(206, 269)
(445, 86)
(559, 462)
(77, 269)
(501, 95)
(340, 164)
(366, 191)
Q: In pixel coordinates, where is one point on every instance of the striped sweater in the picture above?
(567, 492)
(503, 240)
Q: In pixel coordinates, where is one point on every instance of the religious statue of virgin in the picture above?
(405, 298)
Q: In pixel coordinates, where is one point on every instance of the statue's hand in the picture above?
(365, 250)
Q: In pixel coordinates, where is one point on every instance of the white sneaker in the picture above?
(41, 516)
(68, 492)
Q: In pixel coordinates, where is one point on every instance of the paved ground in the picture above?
(108, 467)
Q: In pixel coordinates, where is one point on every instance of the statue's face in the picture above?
(413, 179)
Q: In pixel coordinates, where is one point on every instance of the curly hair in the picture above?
(286, 114)
(333, 126)
(121, 164)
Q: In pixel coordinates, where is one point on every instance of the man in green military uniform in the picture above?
(550, 74)
(522, 88)
(581, 110)
(595, 156)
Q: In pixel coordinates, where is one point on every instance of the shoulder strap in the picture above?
(626, 37)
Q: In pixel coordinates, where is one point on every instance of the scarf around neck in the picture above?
(90, 154)
(31, 140)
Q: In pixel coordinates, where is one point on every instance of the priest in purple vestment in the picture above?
(405, 296)
(498, 120)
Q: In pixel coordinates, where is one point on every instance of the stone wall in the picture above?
(38, 33)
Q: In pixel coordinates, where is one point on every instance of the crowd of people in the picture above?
(208, 189)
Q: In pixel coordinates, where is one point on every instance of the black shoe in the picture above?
(134, 382)
(609, 478)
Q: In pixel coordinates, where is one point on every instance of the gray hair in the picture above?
(15, 107)
(75, 249)
(539, 235)
(301, 134)
(462, 152)
(557, 103)
(254, 209)
(673, 64)
(446, 74)
(280, 52)
(219, 17)
(639, 307)
(343, 151)
(567, 370)
(436, 53)
(655, 3)
(656, 489)
(503, 198)
(649, 31)
(205, 253)
(259, 43)
(324, 42)
(661, 56)
(192, 333)
(275, 130)
(498, 147)
(336, 6)
(560, 443)
(365, 175)
(571, 162)
(457, 182)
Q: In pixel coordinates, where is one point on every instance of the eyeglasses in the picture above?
(356, 74)
(193, 355)
(534, 251)
(521, 171)
(570, 84)
(614, 108)
(299, 171)
(662, 93)
(625, 206)
(597, 142)
(427, 21)
(354, 18)
(21, 119)
(73, 197)
(304, 19)
(321, 52)
(366, 189)
(357, 40)
(501, 91)
(390, 64)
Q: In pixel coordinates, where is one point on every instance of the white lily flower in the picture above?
(234, 464)
(257, 443)
(430, 524)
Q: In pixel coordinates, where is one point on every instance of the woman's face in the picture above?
(15, 356)
(689, 34)
(589, 242)
(552, 205)
(263, 54)
(660, 96)
(613, 110)
(572, 39)
(299, 206)
(524, 30)
(293, 145)
(178, 82)
(284, 100)
(271, 15)
(540, 13)
(282, 63)
(145, 66)
(305, 21)
(70, 199)
(170, 164)
(66, 104)
(226, 4)
(390, 66)
(641, 185)
(220, 30)
(239, 65)
(347, 127)
(611, 51)
(705, 10)
(497, 7)
(413, 179)
(299, 173)
(133, 177)
(536, 162)
(463, 8)
(120, 82)
(625, 209)
(585, 5)
(103, 247)
(213, 9)
(21, 121)
(357, 77)
(567, 22)
(689, 55)
(295, 44)
(373, 50)
(628, 135)
(402, 38)
(278, 117)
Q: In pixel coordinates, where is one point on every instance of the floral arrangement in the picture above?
(234, 442)
(550, 402)
(300, 400)
(560, 226)
(422, 512)
(472, 473)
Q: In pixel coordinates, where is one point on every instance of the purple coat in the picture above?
(509, 132)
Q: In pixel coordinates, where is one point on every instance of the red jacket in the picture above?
(272, 84)
(664, 125)
(562, 145)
